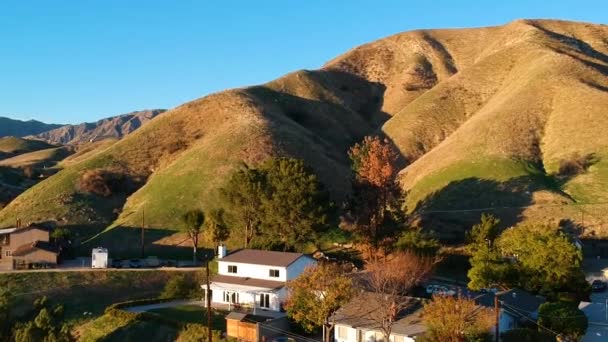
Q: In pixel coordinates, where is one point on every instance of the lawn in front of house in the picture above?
(193, 314)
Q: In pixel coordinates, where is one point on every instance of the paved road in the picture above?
(87, 269)
(597, 331)
(172, 304)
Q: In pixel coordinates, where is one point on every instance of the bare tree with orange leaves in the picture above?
(391, 280)
(376, 195)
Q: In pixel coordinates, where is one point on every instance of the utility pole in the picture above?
(208, 299)
(143, 225)
(497, 312)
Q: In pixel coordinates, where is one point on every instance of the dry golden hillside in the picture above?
(485, 117)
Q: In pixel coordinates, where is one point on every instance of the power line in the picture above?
(513, 207)
(524, 316)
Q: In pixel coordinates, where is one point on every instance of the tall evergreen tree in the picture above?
(296, 207)
(215, 227)
(242, 201)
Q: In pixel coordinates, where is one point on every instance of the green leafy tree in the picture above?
(316, 295)
(242, 201)
(216, 227)
(545, 259)
(564, 318)
(537, 258)
(193, 221)
(489, 269)
(47, 326)
(295, 205)
(484, 233)
(417, 241)
(456, 319)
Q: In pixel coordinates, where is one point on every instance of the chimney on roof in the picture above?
(221, 251)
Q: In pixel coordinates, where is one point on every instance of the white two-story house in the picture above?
(255, 279)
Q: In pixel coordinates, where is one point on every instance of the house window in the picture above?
(231, 268)
(8, 253)
(265, 300)
(379, 337)
(342, 332)
(274, 273)
(231, 297)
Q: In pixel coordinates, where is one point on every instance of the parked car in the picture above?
(490, 290)
(598, 285)
(135, 263)
(283, 339)
(116, 263)
(439, 290)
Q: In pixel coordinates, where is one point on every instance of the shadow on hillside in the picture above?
(320, 131)
(574, 42)
(449, 64)
(451, 211)
(580, 46)
(125, 242)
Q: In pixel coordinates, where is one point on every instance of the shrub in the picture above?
(526, 335)
(418, 242)
(181, 287)
(564, 318)
(575, 164)
(196, 332)
(105, 182)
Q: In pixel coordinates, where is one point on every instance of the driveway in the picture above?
(172, 304)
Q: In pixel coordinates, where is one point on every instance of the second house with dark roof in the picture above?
(27, 247)
(255, 279)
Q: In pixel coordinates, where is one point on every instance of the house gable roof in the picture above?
(28, 228)
(249, 282)
(7, 231)
(260, 257)
(517, 298)
(363, 312)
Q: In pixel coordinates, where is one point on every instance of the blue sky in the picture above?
(82, 60)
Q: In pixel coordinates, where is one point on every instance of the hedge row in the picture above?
(115, 310)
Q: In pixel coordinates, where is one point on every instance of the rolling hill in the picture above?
(18, 128)
(485, 118)
(114, 127)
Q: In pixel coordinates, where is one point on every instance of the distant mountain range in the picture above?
(18, 128)
(112, 127)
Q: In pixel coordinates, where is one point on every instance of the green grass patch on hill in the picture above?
(42, 158)
(590, 187)
(125, 328)
(18, 145)
(493, 171)
(193, 314)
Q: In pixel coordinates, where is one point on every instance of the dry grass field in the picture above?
(484, 118)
